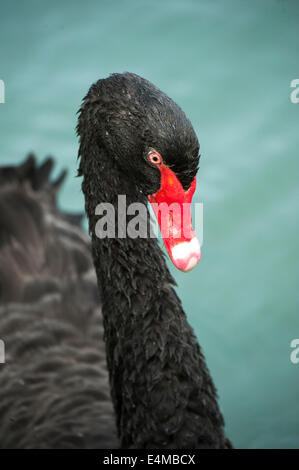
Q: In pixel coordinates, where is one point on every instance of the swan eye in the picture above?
(155, 158)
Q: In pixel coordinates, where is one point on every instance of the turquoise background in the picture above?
(229, 64)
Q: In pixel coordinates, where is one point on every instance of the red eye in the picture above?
(155, 158)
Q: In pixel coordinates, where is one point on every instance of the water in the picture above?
(229, 65)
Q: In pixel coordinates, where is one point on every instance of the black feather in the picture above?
(54, 390)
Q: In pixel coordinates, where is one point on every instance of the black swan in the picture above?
(54, 390)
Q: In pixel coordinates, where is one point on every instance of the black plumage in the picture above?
(162, 391)
(54, 388)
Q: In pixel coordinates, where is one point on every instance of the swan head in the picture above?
(152, 144)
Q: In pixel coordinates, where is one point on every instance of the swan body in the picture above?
(162, 392)
(104, 357)
(54, 390)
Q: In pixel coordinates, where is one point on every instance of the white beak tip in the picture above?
(185, 255)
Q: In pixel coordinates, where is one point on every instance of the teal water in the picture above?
(229, 65)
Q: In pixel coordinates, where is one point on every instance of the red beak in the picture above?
(172, 207)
